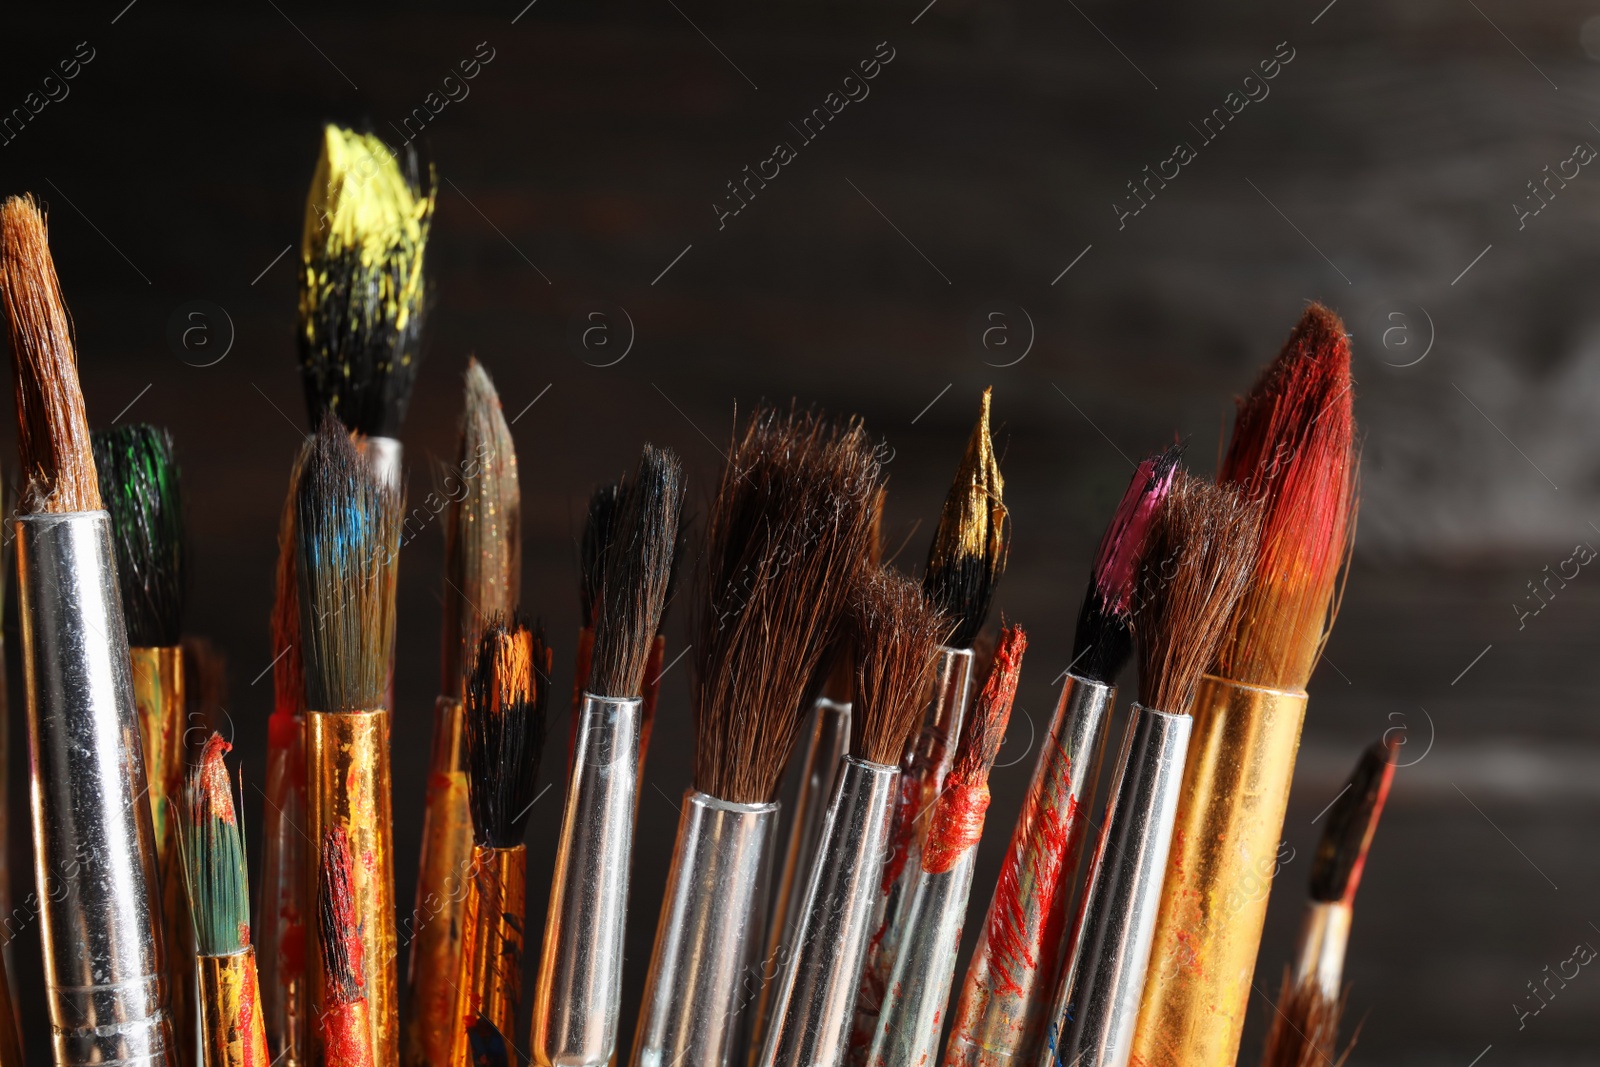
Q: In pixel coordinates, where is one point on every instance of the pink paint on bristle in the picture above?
(1116, 564)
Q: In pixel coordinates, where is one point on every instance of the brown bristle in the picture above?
(874, 555)
(1305, 1028)
(58, 471)
(1195, 567)
(897, 633)
(1293, 449)
(786, 539)
(288, 669)
(984, 730)
(968, 553)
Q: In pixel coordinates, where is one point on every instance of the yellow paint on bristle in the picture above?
(972, 525)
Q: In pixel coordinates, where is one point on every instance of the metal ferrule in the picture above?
(280, 913)
(918, 990)
(488, 976)
(1021, 952)
(1230, 822)
(812, 1011)
(386, 456)
(434, 928)
(577, 1001)
(819, 773)
(348, 785)
(709, 924)
(1098, 1005)
(1324, 936)
(232, 1033)
(93, 843)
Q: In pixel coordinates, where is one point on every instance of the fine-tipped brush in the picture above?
(93, 844)
(507, 694)
(483, 575)
(598, 526)
(284, 912)
(1305, 1028)
(965, 561)
(577, 999)
(918, 988)
(345, 1018)
(347, 533)
(1197, 561)
(654, 665)
(232, 1033)
(1022, 949)
(363, 293)
(897, 633)
(1293, 453)
(784, 540)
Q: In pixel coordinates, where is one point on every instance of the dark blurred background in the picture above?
(960, 226)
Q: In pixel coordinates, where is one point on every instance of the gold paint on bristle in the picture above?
(968, 552)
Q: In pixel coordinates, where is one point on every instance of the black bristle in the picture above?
(1352, 819)
(505, 725)
(968, 553)
(140, 487)
(679, 557)
(343, 971)
(597, 530)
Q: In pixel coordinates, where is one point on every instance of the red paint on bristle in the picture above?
(1116, 564)
(1360, 865)
(215, 785)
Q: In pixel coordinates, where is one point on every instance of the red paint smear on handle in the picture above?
(957, 826)
(346, 1035)
(247, 1015)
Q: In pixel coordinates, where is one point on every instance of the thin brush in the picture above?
(968, 553)
(593, 553)
(784, 540)
(655, 664)
(93, 840)
(345, 1019)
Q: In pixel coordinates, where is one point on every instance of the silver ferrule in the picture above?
(811, 1013)
(952, 693)
(913, 1013)
(578, 997)
(1099, 1002)
(709, 922)
(386, 456)
(1324, 935)
(94, 849)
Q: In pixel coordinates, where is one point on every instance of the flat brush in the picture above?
(1305, 1028)
(786, 534)
(1022, 948)
(897, 633)
(1193, 573)
(347, 536)
(1293, 453)
(577, 998)
(93, 842)
(345, 1018)
(483, 575)
(965, 561)
(232, 1033)
(507, 694)
(918, 989)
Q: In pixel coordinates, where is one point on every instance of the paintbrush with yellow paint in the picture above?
(483, 573)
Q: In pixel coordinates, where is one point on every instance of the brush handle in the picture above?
(94, 846)
(577, 1000)
(280, 911)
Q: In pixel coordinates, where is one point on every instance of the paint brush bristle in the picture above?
(984, 730)
(634, 579)
(58, 472)
(968, 553)
(785, 538)
(347, 529)
(507, 694)
(214, 868)
(1195, 567)
(483, 529)
(597, 530)
(897, 631)
(288, 668)
(1352, 820)
(1104, 638)
(1305, 1028)
(1293, 450)
(140, 487)
(362, 291)
(343, 969)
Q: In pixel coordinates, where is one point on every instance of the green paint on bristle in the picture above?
(140, 487)
(211, 840)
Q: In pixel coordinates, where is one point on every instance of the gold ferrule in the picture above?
(1225, 851)
(489, 975)
(231, 1027)
(433, 930)
(348, 786)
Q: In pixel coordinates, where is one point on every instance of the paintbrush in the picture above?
(507, 694)
(347, 533)
(965, 562)
(918, 988)
(1293, 452)
(600, 522)
(344, 1021)
(141, 489)
(654, 666)
(483, 574)
(897, 633)
(785, 538)
(1194, 571)
(577, 998)
(232, 1033)
(1016, 967)
(1305, 1026)
(205, 693)
(94, 845)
